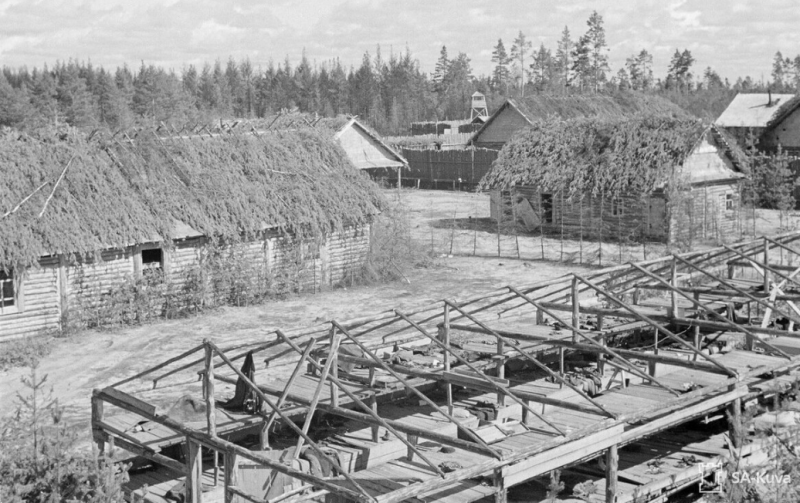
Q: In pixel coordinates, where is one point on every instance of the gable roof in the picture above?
(752, 110)
(784, 111)
(608, 105)
(608, 156)
(113, 193)
(380, 155)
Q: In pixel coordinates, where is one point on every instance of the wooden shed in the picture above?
(516, 115)
(368, 152)
(93, 226)
(751, 113)
(664, 179)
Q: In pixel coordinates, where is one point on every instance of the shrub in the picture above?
(38, 459)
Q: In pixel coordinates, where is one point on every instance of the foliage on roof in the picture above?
(615, 104)
(117, 193)
(597, 156)
(784, 111)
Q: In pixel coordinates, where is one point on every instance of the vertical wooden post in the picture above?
(696, 336)
(561, 365)
(63, 292)
(500, 367)
(601, 358)
(208, 387)
(194, 467)
(211, 419)
(651, 366)
(576, 309)
(412, 439)
(539, 317)
(334, 354)
(525, 412)
(766, 262)
(230, 474)
(373, 403)
(734, 413)
(674, 295)
(612, 462)
(446, 341)
(97, 417)
(501, 496)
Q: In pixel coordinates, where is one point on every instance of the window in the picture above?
(8, 297)
(311, 250)
(616, 208)
(547, 208)
(152, 260)
(729, 202)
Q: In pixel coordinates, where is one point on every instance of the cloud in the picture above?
(735, 39)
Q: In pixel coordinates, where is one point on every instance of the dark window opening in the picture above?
(152, 259)
(547, 208)
(616, 208)
(728, 202)
(311, 250)
(7, 298)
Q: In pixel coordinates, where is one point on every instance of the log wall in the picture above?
(38, 303)
(47, 294)
(708, 211)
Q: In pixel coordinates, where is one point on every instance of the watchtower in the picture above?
(479, 108)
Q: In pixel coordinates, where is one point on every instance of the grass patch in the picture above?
(25, 352)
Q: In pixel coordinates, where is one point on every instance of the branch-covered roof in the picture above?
(117, 193)
(784, 111)
(601, 156)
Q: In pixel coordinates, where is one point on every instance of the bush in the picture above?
(392, 248)
(38, 459)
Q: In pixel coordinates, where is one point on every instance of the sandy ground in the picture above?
(94, 359)
(98, 358)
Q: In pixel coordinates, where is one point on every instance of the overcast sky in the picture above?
(735, 37)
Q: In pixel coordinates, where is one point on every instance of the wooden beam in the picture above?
(600, 346)
(287, 421)
(143, 451)
(312, 407)
(208, 387)
(723, 320)
(481, 379)
(415, 391)
(649, 357)
(612, 465)
(663, 330)
(193, 471)
(297, 369)
(539, 365)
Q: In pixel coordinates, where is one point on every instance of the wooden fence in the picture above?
(447, 169)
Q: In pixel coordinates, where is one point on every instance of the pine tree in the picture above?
(519, 53)
(564, 57)
(640, 70)
(596, 38)
(778, 72)
(542, 68)
(442, 64)
(678, 74)
(581, 62)
(500, 57)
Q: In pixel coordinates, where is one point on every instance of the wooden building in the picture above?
(750, 114)
(515, 115)
(367, 151)
(194, 221)
(648, 179)
(784, 129)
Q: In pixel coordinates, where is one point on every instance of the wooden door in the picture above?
(657, 217)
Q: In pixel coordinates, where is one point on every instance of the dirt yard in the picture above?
(455, 225)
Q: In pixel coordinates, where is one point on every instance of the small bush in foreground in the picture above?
(38, 459)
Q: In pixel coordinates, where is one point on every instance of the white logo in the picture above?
(712, 485)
